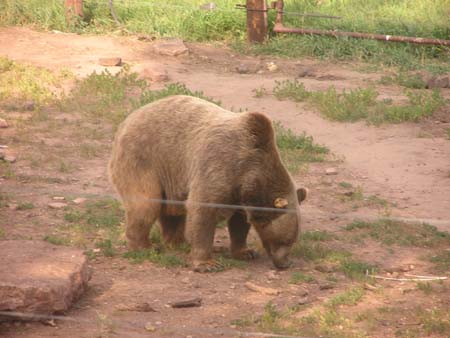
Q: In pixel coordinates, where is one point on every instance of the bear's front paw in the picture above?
(245, 254)
(208, 266)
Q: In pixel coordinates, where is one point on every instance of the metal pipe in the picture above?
(279, 28)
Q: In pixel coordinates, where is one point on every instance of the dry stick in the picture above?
(408, 279)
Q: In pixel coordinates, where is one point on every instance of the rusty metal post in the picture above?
(73, 8)
(256, 20)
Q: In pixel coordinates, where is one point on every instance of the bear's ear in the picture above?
(301, 194)
(260, 126)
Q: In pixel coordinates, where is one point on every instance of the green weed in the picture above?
(297, 149)
(2, 233)
(25, 206)
(362, 103)
(300, 277)
(349, 297)
(154, 256)
(259, 92)
(441, 261)
(56, 240)
(425, 287)
(394, 232)
(345, 185)
(20, 83)
(106, 247)
(290, 90)
(448, 133)
(405, 79)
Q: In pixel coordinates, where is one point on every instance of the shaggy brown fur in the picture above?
(186, 149)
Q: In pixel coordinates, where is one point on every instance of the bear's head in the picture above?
(279, 235)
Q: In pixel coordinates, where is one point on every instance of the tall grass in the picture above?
(186, 19)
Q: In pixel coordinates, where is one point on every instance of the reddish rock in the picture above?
(439, 82)
(40, 278)
(3, 123)
(110, 62)
(155, 74)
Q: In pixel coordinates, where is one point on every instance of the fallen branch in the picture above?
(261, 289)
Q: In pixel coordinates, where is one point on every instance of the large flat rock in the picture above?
(40, 278)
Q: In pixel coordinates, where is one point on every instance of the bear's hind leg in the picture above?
(140, 214)
(238, 228)
(172, 228)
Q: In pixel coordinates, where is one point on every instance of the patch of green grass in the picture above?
(154, 256)
(25, 206)
(441, 261)
(107, 247)
(436, 321)
(394, 232)
(56, 240)
(313, 247)
(351, 105)
(317, 235)
(105, 95)
(348, 297)
(290, 90)
(405, 79)
(425, 287)
(297, 149)
(356, 270)
(6, 170)
(113, 96)
(20, 83)
(229, 263)
(362, 103)
(259, 92)
(101, 213)
(345, 185)
(2, 233)
(299, 278)
(448, 133)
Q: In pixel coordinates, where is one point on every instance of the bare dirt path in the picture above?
(392, 160)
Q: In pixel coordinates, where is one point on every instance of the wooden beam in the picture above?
(256, 20)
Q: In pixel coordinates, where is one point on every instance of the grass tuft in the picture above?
(154, 256)
(394, 232)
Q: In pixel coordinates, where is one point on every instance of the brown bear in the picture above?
(182, 148)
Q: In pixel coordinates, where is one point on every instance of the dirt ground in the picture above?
(396, 163)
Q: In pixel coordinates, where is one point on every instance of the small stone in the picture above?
(243, 69)
(331, 171)
(303, 301)
(326, 286)
(155, 75)
(9, 158)
(58, 198)
(110, 62)
(272, 274)
(57, 205)
(306, 73)
(170, 47)
(3, 123)
(208, 6)
(149, 327)
(79, 200)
